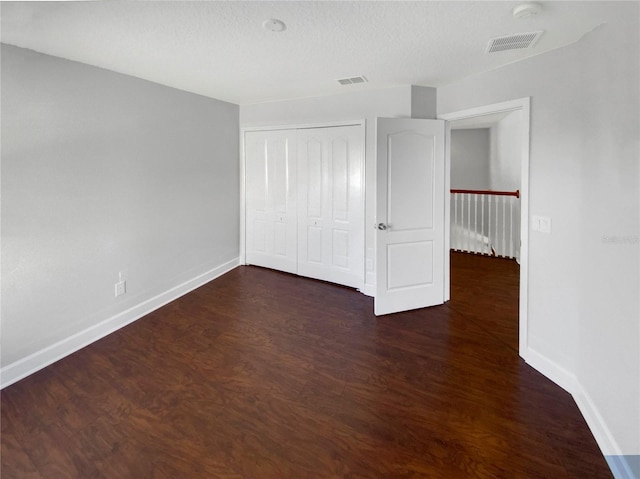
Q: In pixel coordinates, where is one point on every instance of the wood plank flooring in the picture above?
(261, 374)
(475, 276)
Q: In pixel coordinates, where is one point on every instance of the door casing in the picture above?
(523, 105)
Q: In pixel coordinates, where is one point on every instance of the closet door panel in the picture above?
(331, 226)
(313, 179)
(271, 214)
(340, 177)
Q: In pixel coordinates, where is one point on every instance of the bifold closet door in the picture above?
(331, 204)
(271, 236)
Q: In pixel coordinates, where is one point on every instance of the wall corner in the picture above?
(423, 102)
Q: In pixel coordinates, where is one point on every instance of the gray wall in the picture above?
(470, 159)
(584, 276)
(506, 153)
(103, 173)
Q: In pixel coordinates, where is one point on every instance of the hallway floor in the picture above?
(486, 290)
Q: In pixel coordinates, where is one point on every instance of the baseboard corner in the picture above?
(550, 369)
(597, 425)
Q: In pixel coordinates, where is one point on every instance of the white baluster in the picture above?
(504, 226)
(452, 219)
(475, 224)
(457, 222)
(459, 228)
(482, 224)
(511, 201)
(497, 220)
(468, 224)
(490, 198)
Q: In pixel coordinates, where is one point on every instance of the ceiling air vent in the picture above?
(352, 80)
(518, 41)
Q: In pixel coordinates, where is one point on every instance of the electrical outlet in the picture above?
(121, 288)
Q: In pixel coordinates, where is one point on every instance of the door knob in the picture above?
(382, 226)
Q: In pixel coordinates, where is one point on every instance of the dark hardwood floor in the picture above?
(472, 278)
(261, 374)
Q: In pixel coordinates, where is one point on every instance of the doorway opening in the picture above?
(489, 154)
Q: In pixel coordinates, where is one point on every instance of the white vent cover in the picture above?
(518, 41)
(352, 80)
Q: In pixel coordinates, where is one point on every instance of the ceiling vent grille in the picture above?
(352, 80)
(518, 41)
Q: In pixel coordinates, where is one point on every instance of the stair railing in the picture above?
(486, 222)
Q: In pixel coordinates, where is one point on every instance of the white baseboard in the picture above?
(596, 423)
(605, 440)
(34, 362)
(551, 370)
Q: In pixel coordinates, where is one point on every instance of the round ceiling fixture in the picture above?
(526, 10)
(274, 25)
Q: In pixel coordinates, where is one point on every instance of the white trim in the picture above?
(301, 126)
(243, 200)
(447, 211)
(596, 423)
(523, 104)
(24, 367)
(556, 373)
(505, 106)
(524, 226)
(363, 181)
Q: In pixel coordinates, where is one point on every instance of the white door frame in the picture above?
(243, 173)
(524, 105)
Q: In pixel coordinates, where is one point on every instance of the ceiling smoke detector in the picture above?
(518, 41)
(526, 10)
(352, 80)
(274, 25)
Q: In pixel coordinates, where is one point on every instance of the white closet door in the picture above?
(331, 204)
(271, 199)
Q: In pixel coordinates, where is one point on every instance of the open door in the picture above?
(410, 214)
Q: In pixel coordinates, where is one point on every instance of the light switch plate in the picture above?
(541, 224)
(545, 225)
(121, 288)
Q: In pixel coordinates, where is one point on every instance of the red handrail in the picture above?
(488, 192)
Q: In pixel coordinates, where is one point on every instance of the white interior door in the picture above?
(271, 214)
(410, 214)
(331, 204)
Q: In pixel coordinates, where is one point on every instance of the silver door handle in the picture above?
(382, 226)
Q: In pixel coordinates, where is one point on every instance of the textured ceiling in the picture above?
(220, 49)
